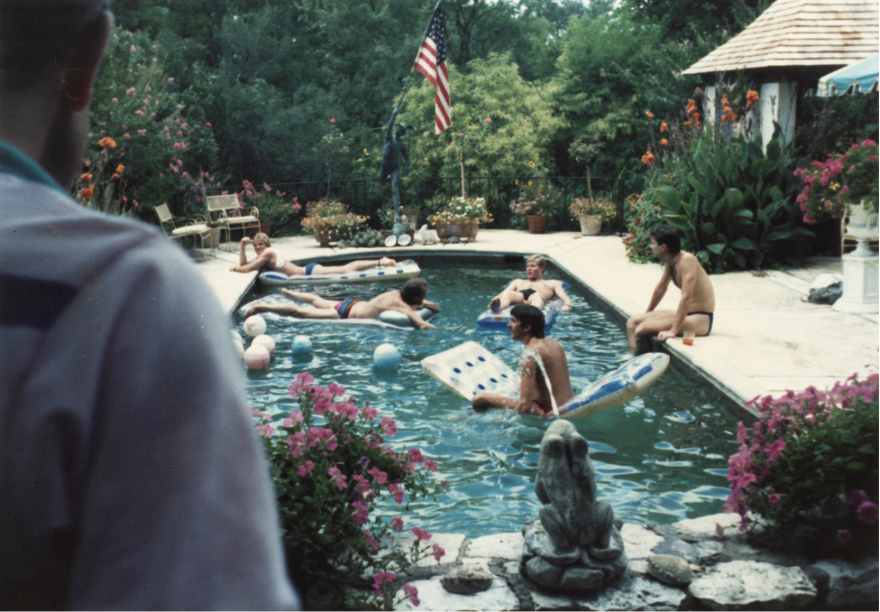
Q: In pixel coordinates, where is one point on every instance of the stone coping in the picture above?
(728, 574)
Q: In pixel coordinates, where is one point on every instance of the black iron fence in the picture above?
(366, 197)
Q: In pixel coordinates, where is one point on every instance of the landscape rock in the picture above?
(467, 579)
(434, 597)
(633, 593)
(741, 585)
(505, 545)
(450, 542)
(846, 585)
(704, 528)
(639, 541)
(670, 569)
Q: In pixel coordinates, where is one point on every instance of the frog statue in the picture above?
(576, 543)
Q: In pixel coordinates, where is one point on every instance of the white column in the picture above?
(778, 103)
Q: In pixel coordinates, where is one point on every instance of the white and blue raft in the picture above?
(469, 369)
(403, 271)
(490, 319)
(391, 319)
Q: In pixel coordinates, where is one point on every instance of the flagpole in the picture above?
(413, 67)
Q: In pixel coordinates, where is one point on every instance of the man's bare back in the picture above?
(555, 364)
(704, 295)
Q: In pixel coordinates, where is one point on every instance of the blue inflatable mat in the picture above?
(403, 271)
(469, 369)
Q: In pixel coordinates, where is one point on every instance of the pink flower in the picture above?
(130, 92)
(378, 475)
(430, 465)
(396, 490)
(142, 132)
(369, 413)
(388, 426)
(773, 499)
(179, 162)
(775, 449)
(416, 455)
(397, 523)
(719, 531)
(305, 468)
(170, 79)
(421, 534)
(295, 443)
(413, 594)
(438, 552)
(132, 49)
(380, 579)
(461, 134)
(856, 497)
(488, 120)
(361, 514)
(207, 124)
(332, 121)
(843, 536)
(265, 430)
(115, 100)
(338, 477)
(126, 137)
(867, 512)
(868, 143)
(371, 539)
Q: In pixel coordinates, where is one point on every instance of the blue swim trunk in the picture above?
(343, 309)
(711, 316)
(310, 267)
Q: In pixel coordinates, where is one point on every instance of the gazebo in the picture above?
(788, 48)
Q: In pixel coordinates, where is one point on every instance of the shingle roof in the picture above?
(800, 33)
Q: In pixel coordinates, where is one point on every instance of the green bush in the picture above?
(642, 215)
(330, 465)
(811, 454)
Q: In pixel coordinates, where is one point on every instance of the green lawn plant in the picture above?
(811, 458)
(331, 465)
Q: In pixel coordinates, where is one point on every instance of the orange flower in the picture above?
(649, 115)
(663, 127)
(120, 168)
(85, 178)
(648, 158)
(86, 163)
(87, 192)
(115, 176)
(106, 142)
(687, 123)
(691, 107)
(135, 203)
(664, 142)
(752, 98)
(698, 90)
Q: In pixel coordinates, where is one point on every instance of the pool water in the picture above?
(660, 458)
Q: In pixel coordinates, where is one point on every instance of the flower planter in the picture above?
(591, 225)
(410, 223)
(323, 238)
(537, 223)
(460, 230)
(264, 228)
(214, 239)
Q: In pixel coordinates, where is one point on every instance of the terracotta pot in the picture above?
(537, 223)
(591, 225)
(322, 237)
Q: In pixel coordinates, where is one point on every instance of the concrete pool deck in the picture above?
(765, 339)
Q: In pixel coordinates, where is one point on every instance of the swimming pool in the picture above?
(660, 458)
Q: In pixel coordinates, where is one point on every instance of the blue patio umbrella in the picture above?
(861, 77)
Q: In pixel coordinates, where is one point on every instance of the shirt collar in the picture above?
(16, 163)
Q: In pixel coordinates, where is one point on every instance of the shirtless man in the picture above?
(407, 300)
(696, 307)
(534, 290)
(269, 259)
(527, 325)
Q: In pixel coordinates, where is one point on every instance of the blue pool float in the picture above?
(500, 319)
(404, 271)
(388, 319)
(470, 368)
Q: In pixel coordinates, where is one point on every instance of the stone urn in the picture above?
(860, 268)
(537, 223)
(576, 545)
(323, 237)
(591, 225)
(410, 218)
(459, 230)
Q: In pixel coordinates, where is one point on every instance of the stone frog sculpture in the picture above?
(576, 545)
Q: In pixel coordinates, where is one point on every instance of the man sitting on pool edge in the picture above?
(696, 308)
(527, 325)
(406, 301)
(269, 259)
(532, 290)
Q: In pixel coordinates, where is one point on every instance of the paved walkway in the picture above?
(765, 340)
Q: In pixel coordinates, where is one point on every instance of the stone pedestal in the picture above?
(860, 284)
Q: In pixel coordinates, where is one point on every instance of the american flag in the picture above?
(432, 63)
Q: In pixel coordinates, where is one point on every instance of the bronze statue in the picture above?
(392, 149)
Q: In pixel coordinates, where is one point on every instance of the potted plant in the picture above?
(330, 221)
(461, 217)
(592, 212)
(537, 203)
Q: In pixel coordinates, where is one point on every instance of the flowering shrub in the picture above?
(844, 178)
(581, 207)
(275, 209)
(642, 215)
(331, 218)
(543, 199)
(807, 450)
(462, 210)
(330, 465)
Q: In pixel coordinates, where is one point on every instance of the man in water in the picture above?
(532, 290)
(130, 473)
(696, 307)
(406, 301)
(527, 325)
(269, 259)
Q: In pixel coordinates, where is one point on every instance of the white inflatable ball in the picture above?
(302, 345)
(238, 343)
(386, 356)
(266, 341)
(254, 326)
(256, 357)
